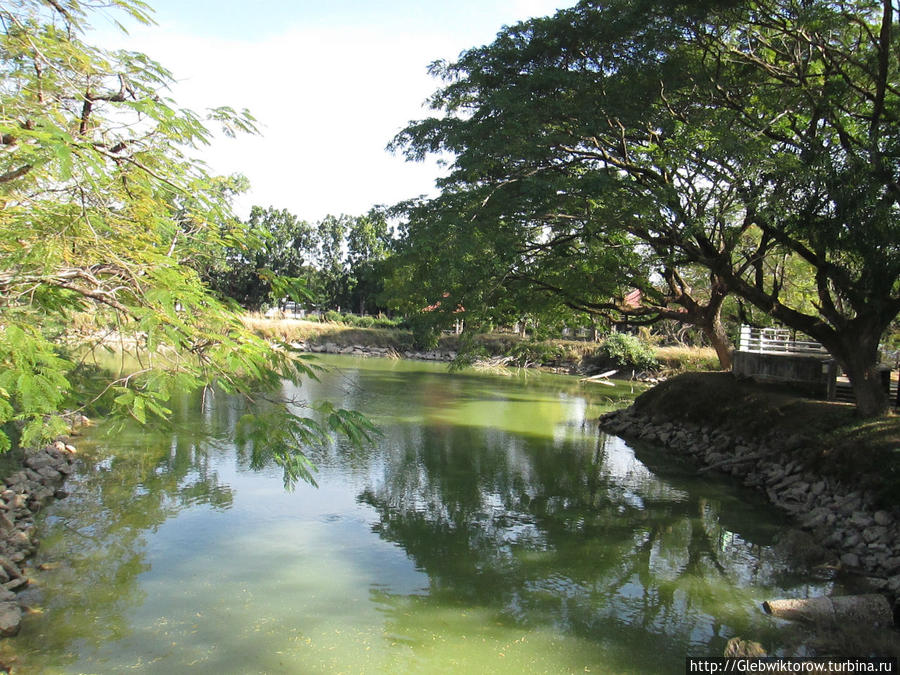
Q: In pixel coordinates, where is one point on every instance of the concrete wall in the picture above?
(815, 373)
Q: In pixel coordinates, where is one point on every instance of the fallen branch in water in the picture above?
(602, 378)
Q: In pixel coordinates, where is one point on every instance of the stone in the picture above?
(874, 533)
(861, 519)
(17, 477)
(19, 539)
(39, 460)
(49, 474)
(816, 518)
(775, 475)
(794, 441)
(883, 518)
(9, 568)
(850, 560)
(877, 583)
(13, 584)
(10, 618)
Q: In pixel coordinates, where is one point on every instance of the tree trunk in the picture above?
(865, 378)
(718, 338)
(710, 323)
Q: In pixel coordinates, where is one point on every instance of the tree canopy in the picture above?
(105, 215)
(617, 144)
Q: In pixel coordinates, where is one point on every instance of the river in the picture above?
(491, 528)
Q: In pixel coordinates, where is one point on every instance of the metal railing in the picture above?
(776, 341)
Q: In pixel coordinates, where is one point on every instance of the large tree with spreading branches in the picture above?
(758, 140)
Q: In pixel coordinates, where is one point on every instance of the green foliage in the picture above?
(424, 331)
(269, 265)
(333, 316)
(384, 322)
(532, 353)
(628, 351)
(106, 216)
(750, 147)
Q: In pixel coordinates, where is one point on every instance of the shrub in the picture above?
(425, 333)
(334, 317)
(535, 353)
(627, 350)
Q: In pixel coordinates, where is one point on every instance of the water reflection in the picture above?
(508, 540)
(96, 539)
(583, 539)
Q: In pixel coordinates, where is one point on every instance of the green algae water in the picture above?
(491, 529)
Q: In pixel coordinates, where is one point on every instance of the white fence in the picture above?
(776, 341)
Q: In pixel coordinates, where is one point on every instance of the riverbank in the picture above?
(25, 491)
(836, 476)
(565, 356)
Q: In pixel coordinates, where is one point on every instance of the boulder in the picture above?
(850, 560)
(883, 518)
(10, 618)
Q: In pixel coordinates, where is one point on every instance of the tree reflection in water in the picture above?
(589, 543)
(96, 539)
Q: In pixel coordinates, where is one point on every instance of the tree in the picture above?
(104, 212)
(278, 245)
(742, 137)
(369, 241)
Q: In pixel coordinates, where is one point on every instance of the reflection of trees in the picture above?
(578, 540)
(96, 535)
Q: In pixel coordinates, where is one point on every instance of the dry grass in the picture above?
(291, 330)
(683, 359)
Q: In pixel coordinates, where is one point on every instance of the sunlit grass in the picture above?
(680, 358)
(298, 330)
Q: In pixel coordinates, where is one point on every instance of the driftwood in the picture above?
(602, 378)
(871, 610)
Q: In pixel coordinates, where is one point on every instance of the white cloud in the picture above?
(328, 100)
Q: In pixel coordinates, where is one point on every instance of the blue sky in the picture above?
(330, 83)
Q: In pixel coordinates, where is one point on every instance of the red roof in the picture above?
(633, 299)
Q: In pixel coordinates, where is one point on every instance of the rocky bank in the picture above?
(22, 494)
(858, 536)
(367, 350)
